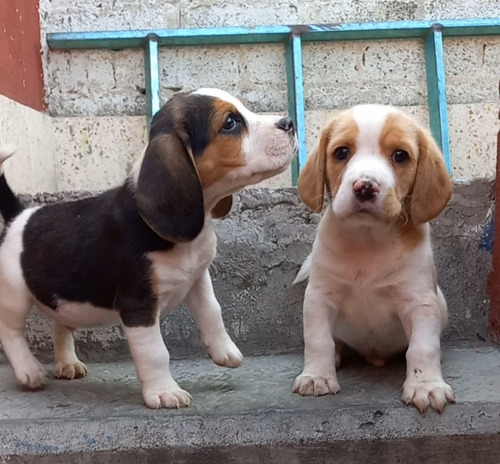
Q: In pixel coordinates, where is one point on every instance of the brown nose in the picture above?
(365, 189)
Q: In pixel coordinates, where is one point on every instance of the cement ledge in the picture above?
(250, 415)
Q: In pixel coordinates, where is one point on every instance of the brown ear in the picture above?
(169, 195)
(312, 178)
(433, 187)
(222, 207)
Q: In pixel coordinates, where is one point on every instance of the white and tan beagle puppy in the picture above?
(372, 280)
(139, 250)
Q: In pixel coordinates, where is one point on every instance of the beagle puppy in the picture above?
(137, 251)
(372, 280)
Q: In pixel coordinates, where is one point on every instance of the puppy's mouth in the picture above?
(365, 209)
(282, 147)
(363, 212)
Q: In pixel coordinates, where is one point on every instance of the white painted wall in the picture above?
(33, 168)
(96, 97)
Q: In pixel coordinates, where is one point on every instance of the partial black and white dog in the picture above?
(141, 249)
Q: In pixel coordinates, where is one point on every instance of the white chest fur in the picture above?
(369, 284)
(176, 270)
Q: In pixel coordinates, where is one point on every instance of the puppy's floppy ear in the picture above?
(312, 178)
(222, 207)
(433, 187)
(169, 195)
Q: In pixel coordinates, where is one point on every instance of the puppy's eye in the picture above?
(400, 156)
(341, 153)
(230, 123)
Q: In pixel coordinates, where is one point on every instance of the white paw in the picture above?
(32, 377)
(70, 371)
(225, 353)
(172, 397)
(436, 393)
(316, 385)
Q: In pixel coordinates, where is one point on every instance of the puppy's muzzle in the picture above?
(365, 189)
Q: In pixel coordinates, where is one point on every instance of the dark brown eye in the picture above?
(400, 156)
(341, 153)
(230, 123)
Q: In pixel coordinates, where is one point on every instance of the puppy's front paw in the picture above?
(316, 385)
(225, 353)
(32, 377)
(169, 396)
(70, 371)
(436, 393)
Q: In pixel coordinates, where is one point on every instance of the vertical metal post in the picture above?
(296, 106)
(152, 75)
(436, 91)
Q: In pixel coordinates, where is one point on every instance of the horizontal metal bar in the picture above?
(399, 29)
(169, 37)
(271, 34)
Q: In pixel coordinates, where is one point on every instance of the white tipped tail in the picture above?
(6, 151)
(304, 271)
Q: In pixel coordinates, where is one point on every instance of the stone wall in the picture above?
(92, 94)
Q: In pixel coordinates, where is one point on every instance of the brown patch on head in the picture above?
(224, 153)
(422, 183)
(322, 168)
(345, 135)
(399, 134)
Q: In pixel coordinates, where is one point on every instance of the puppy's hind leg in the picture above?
(67, 365)
(14, 309)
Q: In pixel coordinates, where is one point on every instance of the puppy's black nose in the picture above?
(285, 124)
(365, 189)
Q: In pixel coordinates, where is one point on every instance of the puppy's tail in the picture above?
(304, 271)
(10, 205)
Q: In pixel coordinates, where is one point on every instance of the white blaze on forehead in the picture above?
(224, 96)
(370, 120)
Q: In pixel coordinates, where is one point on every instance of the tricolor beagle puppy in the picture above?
(372, 280)
(139, 250)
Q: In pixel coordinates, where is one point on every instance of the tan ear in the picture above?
(312, 178)
(433, 187)
(222, 207)
(168, 193)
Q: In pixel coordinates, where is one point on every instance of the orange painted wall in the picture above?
(21, 74)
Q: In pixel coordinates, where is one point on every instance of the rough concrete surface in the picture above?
(262, 244)
(251, 415)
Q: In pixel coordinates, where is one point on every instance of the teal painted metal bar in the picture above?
(293, 36)
(271, 34)
(436, 91)
(152, 71)
(296, 106)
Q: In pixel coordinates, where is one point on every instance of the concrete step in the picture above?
(249, 415)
